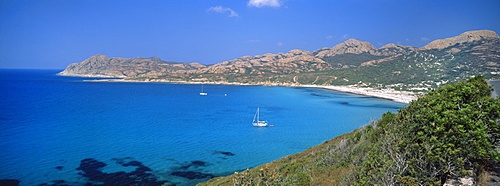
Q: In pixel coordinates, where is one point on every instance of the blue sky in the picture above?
(50, 34)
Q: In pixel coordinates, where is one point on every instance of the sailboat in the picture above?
(256, 120)
(203, 93)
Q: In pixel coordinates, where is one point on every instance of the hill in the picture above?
(451, 135)
(103, 66)
(351, 62)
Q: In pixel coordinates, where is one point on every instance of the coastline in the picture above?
(395, 95)
(391, 94)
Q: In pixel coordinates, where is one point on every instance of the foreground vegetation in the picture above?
(451, 132)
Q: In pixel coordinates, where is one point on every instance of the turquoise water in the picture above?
(75, 131)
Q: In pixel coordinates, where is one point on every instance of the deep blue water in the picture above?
(64, 128)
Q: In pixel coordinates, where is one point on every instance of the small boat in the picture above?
(203, 93)
(256, 120)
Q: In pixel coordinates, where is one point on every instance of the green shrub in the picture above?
(437, 136)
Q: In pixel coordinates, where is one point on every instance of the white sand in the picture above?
(399, 96)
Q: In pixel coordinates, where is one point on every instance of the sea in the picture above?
(496, 88)
(58, 130)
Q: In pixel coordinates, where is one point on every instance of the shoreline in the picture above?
(391, 94)
(394, 95)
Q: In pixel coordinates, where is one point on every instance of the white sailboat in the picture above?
(256, 120)
(203, 93)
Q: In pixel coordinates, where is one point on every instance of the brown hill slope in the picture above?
(103, 66)
(351, 62)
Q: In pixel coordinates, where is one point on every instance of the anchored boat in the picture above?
(203, 93)
(256, 120)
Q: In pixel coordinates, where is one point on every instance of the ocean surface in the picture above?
(58, 130)
(496, 88)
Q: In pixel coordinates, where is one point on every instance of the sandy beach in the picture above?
(399, 96)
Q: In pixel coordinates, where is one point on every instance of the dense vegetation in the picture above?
(451, 132)
(441, 135)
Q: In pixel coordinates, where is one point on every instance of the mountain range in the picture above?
(351, 62)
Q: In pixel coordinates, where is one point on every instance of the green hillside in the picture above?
(451, 132)
(413, 70)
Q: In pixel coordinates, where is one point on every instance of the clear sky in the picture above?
(50, 34)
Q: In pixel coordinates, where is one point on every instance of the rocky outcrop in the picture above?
(103, 66)
(462, 38)
(351, 46)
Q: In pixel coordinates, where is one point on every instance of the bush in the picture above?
(440, 135)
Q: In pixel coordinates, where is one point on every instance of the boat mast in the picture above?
(203, 93)
(258, 114)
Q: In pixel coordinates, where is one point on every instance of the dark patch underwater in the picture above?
(92, 170)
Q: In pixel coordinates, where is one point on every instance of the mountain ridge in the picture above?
(462, 38)
(352, 62)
